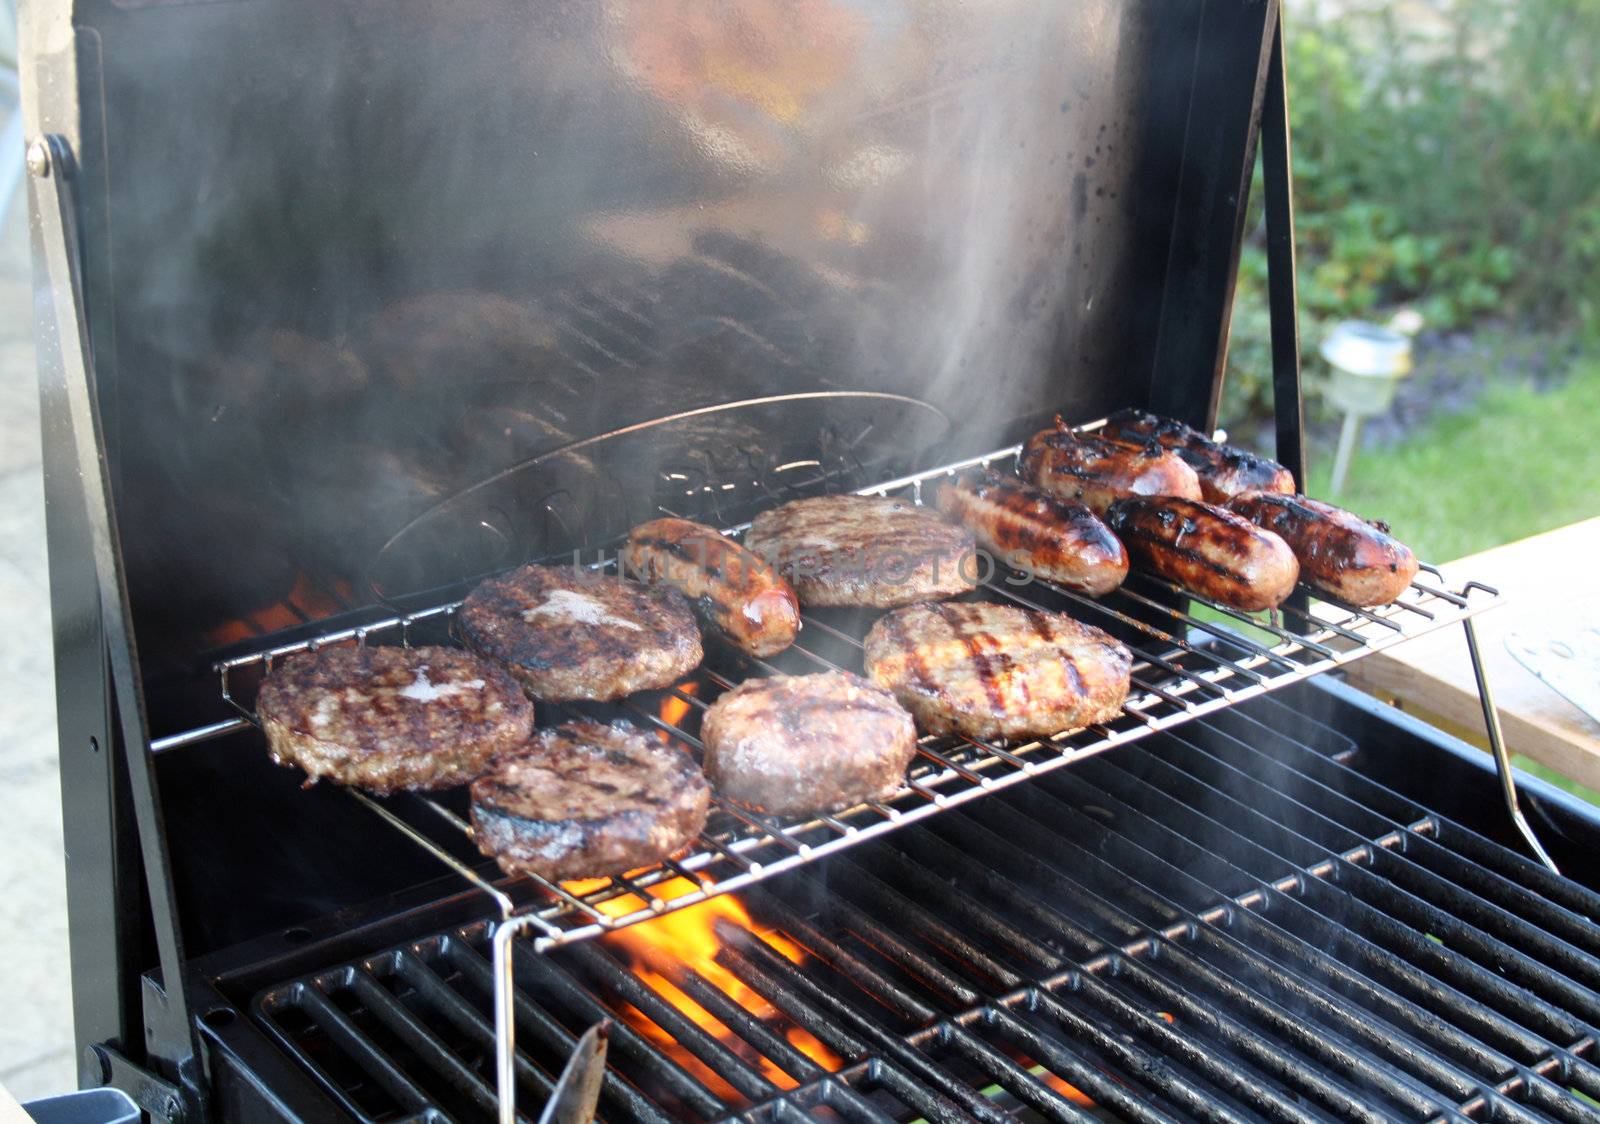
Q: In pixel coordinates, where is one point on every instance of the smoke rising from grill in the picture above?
(383, 258)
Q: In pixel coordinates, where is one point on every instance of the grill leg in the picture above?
(1502, 756)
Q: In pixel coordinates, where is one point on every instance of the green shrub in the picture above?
(1453, 165)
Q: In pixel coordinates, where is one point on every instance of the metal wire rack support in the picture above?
(1192, 661)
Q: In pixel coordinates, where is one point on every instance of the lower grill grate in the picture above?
(1218, 923)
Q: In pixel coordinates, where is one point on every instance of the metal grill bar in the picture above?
(1217, 924)
(1394, 889)
(1374, 1033)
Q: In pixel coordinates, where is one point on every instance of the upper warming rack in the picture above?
(1191, 657)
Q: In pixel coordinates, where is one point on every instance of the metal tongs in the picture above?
(577, 1091)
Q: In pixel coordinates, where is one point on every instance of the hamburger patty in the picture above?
(864, 550)
(391, 718)
(992, 671)
(796, 744)
(572, 635)
(587, 800)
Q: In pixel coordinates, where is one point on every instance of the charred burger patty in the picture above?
(796, 744)
(996, 670)
(572, 635)
(864, 550)
(587, 800)
(391, 718)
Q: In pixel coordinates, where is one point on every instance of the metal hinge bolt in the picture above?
(39, 159)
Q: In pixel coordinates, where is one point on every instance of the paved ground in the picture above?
(36, 1027)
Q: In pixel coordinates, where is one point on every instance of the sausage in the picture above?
(1340, 553)
(1208, 550)
(733, 588)
(1097, 472)
(1224, 470)
(1026, 527)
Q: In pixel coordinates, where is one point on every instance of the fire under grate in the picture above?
(1220, 923)
(1192, 658)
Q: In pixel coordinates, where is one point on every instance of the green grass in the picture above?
(1550, 776)
(1516, 463)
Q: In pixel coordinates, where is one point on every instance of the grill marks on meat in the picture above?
(1031, 530)
(587, 800)
(800, 744)
(571, 635)
(733, 588)
(386, 719)
(1208, 550)
(1098, 472)
(1340, 553)
(864, 550)
(997, 671)
(1224, 470)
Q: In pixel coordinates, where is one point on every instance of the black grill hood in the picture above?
(343, 260)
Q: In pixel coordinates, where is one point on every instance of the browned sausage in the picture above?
(1224, 470)
(1208, 550)
(1358, 562)
(1026, 527)
(1096, 471)
(732, 587)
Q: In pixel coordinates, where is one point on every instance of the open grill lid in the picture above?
(343, 261)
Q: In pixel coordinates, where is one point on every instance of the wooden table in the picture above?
(1548, 582)
(10, 1111)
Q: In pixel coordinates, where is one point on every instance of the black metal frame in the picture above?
(170, 1031)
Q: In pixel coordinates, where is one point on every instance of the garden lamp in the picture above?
(1367, 362)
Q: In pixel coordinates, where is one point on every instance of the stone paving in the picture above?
(35, 988)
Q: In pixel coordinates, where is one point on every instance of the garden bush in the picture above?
(1450, 162)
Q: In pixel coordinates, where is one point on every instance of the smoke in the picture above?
(1011, 136)
(366, 255)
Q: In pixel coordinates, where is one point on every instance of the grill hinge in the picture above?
(155, 1095)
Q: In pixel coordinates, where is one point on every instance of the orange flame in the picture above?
(305, 601)
(1060, 1084)
(673, 708)
(1074, 1094)
(660, 949)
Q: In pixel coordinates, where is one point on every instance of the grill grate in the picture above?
(1220, 923)
(1189, 662)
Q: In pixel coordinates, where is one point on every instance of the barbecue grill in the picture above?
(343, 307)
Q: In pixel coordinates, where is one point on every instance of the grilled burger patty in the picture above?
(797, 744)
(572, 635)
(587, 800)
(864, 550)
(1224, 470)
(1338, 551)
(1028, 528)
(731, 586)
(1097, 471)
(391, 718)
(997, 671)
